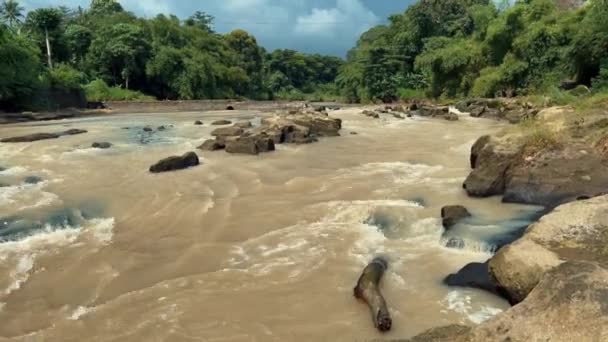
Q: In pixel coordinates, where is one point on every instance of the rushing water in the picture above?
(240, 248)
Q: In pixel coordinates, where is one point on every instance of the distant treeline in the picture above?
(112, 54)
(456, 48)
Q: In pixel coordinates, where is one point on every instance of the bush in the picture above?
(539, 137)
(411, 94)
(64, 77)
(98, 90)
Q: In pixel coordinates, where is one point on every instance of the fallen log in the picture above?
(368, 290)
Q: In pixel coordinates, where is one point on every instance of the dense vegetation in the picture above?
(436, 48)
(478, 48)
(112, 54)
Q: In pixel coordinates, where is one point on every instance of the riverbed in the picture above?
(240, 248)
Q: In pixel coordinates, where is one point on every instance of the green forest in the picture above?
(435, 49)
(477, 48)
(111, 54)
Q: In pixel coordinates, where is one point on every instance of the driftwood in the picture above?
(368, 290)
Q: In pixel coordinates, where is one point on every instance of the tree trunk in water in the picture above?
(48, 48)
(368, 290)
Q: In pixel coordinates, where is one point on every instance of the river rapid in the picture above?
(93, 247)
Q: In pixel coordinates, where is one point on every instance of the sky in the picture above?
(313, 26)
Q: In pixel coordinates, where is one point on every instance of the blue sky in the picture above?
(315, 26)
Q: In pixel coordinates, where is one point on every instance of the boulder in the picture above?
(452, 214)
(570, 303)
(442, 334)
(32, 180)
(212, 145)
(492, 159)
(227, 131)
(250, 144)
(413, 106)
(175, 163)
(148, 129)
(221, 122)
(320, 125)
(451, 117)
(198, 122)
(475, 275)
(229, 108)
(574, 231)
(552, 177)
(101, 145)
(476, 149)
(371, 114)
(161, 128)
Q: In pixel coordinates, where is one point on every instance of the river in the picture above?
(241, 248)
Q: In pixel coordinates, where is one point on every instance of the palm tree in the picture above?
(11, 12)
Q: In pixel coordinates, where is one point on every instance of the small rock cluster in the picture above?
(294, 128)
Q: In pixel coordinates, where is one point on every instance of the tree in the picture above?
(119, 53)
(19, 69)
(78, 39)
(249, 58)
(11, 12)
(105, 7)
(45, 20)
(202, 21)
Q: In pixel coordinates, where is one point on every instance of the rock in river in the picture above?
(175, 163)
(221, 122)
(212, 145)
(250, 144)
(573, 231)
(101, 145)
(42, 136)
(452, 214)
(231, 131)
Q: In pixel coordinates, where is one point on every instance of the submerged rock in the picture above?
(73, 131)
(473, 275)
(221, 122)
(42, 136)
(31, 137)
(148, 129)
(451, 214)
(175, 163)
(32, 180)
(101, 145)
(198, 122)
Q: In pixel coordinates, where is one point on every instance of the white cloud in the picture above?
(323, 26)
(349, 17)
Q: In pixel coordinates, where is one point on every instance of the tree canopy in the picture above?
(479, 48)
(164, 56)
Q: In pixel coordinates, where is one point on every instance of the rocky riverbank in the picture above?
(556, 275)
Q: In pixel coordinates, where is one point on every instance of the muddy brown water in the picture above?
(240, 248)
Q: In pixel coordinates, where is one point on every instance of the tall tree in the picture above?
(104, 7)
(11, 12)
(45, 20)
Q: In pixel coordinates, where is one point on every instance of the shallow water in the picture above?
(240, 248)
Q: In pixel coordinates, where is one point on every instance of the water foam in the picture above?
(460, 301)
(50, 238)
(29, 195)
